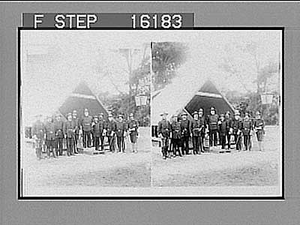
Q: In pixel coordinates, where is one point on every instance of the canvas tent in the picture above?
(83, 97)
(178, 97)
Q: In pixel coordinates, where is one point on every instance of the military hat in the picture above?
(184, 114)
(69, 114)
(120, 115)
(131, 114)
(163, 113)
(212, 108)
(85, 110)
(110, 115)
(200, 110)
(195, 113)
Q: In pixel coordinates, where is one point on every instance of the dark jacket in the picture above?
(86, 123)
(176, 129)
(110, 126)
(121, 128)
(164, 128)
(133, 126)
(59, 129)
(97, 129)
(236, 125)
(212, 121)
(50, 131)
(185, 128)
(223, 127)
(69, 128)
(196, 127)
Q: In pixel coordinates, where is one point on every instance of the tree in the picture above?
(166, 58)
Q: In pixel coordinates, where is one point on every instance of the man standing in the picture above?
(50, 137)
(69, 131)
(97, 133)
(229, 128)
(176, 135)
(111, 128)
(76, 135)
(259, 126)
(133, 126)
(202, 131)
(86, 124)
(185, 133)
(247, 127)
(222, 130)
(59, 135)
(196, 133)
(237, 127)
(102, 130)
(213, 119)
(121, 133)
(164, 128)
(38, 131)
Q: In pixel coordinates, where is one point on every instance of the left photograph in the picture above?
(84, 113)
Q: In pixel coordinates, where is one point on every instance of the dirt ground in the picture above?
(103, 170)
(243, 168)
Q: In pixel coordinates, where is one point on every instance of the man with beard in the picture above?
(164, 128)
(121, 133)
(196, 133)
(86, 124)
(111, 128)
(185, 133)
(176, 135)
(212, 121)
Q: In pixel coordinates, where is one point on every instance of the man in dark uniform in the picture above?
(76, 135)
(50, 137)
(69, 131)
(185, 133)
(164, 129)
(86, 124)
(121, 133)
(102, 130)
(111, 128)
(229, 128)
(38, 131)
(259, 128)
(203, 126)
(247, 127)
(133, 126)
(176, 135)
(59, 134)
(196, 133)
(212, 122)
(222, 124)
(97, 130)
(237, 127)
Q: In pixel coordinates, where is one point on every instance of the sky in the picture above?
(87, 55)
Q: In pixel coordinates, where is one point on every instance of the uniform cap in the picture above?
(237, 112)
(195, 113)
(131, 114)
(110, 115)
(212, 108)
(74, 111)
(85, 110)
(120, 115)
(200, 110)
(184, 114)
(164, 113)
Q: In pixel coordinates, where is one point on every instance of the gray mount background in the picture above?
(14, 212)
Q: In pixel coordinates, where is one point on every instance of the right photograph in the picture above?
(217, 113)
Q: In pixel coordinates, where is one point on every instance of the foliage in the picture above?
(166, 58)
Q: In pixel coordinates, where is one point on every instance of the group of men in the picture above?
(92, 130)
(206, 132)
